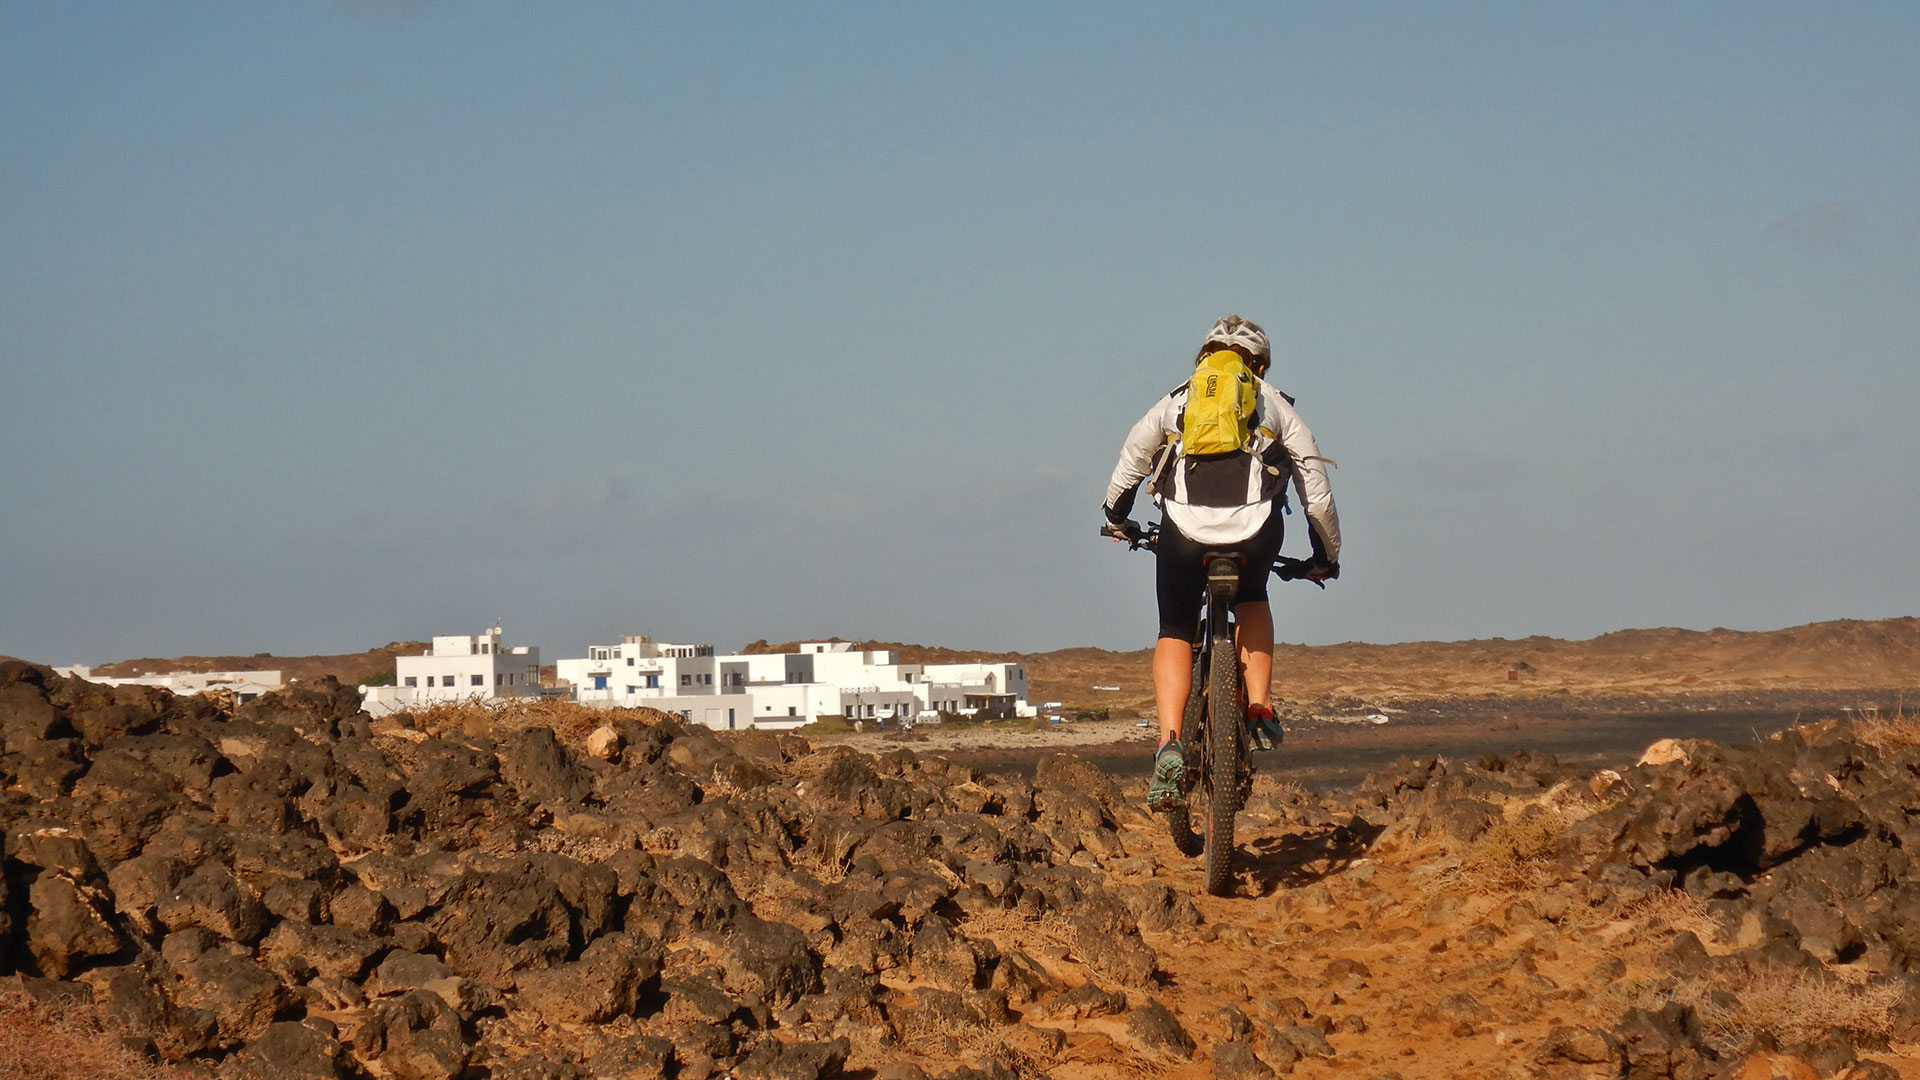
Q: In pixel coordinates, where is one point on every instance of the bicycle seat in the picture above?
(1223, 569)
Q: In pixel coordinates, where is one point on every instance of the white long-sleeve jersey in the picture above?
(1274, 421)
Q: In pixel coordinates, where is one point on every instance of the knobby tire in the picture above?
(1222, 779)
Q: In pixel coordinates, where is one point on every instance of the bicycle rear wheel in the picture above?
(1222, 777)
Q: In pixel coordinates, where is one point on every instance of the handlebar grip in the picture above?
(1296, 570)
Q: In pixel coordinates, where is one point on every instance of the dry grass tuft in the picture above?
(1012, 930)
(1509, 859)
(824, 868)
(1655, 919)
(1671, 911)
(1892, 730)
(1788, 1004)
(39, 1041)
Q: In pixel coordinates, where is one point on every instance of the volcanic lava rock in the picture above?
(1234, 1060)
(70, 923)
(308, 1050)
(640, 1057)
(772, 1059)
(1667, 1043)
(535, 765)
(942, 957)
(1586, 1046)
(769, 960)
(492, 924)
(1154, 1027)
(1159, 907)
(135, 998)
(415, 1037)
(298, 951)
(210, 897)
(604, 983)
(242, 996)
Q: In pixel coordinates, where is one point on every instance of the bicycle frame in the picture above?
(1218, 777)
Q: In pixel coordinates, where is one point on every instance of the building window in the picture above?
(599, 682)
(446, 680)
(706, 680)
(629, 661)
(686, 680)
(412, 681)
(791, 711)
(499, 679)
(479, 680)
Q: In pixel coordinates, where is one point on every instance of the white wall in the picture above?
(457, 667)
(824, 679)
(246, 685)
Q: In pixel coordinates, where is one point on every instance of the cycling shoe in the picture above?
(1263, 728)
(1169, 769)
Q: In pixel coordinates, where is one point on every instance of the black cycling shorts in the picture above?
(1180, 574)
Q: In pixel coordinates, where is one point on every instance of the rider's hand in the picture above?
(1322, 570)
(1123, 532)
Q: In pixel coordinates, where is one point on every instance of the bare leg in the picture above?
(1253, 632)
(1172, 679)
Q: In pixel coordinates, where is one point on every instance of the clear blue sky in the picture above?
(329, 323)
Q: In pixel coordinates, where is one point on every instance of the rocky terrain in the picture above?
(287, 890)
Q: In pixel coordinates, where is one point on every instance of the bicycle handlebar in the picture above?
(1134, 535)
(1298, 570)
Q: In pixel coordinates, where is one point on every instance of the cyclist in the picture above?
(1224, 502)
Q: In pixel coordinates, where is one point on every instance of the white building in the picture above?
(471, 667)
(781, 690)
(246, 685)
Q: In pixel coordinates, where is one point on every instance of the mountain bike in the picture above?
(1213, 727)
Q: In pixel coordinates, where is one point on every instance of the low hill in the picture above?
(1846, 654)
(349, 668)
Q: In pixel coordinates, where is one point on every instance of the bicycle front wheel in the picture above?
(1224, 723)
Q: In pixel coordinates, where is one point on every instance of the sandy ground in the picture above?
(1309, 907)
(1374, 941)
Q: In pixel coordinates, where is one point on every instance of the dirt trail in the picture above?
(1372, 941)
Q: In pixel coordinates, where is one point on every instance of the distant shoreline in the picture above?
(1321, 754)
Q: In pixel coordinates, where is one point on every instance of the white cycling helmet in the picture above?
(1234, 330)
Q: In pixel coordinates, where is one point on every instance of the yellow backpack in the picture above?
(1221, 398)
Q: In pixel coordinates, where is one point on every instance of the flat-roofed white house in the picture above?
(246, 685)
(457, 667)
(783, 690)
